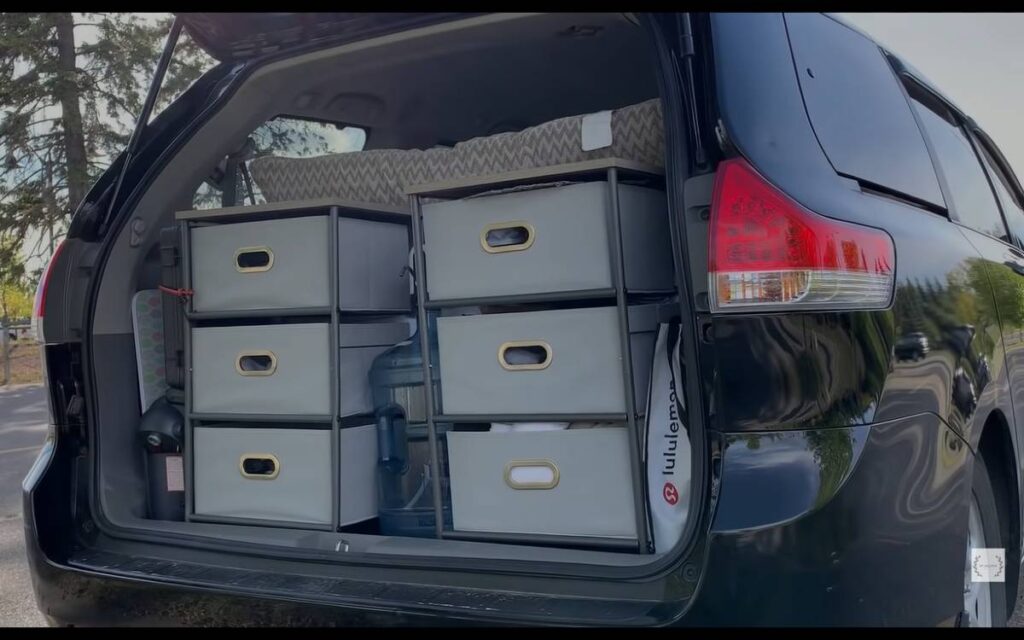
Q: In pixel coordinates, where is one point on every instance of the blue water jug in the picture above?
(406, 496)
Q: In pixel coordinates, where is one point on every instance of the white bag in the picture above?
(667, 443)
(527, 427)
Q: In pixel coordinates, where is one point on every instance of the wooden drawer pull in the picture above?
(256, 363)
(531, 474)
(502, 237)
(259, 466)
(524, 355)
(254, 259)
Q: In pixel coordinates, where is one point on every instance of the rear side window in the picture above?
(283, 136)
(974, 204)
(857, 108)
(301, 138)
(1012, 210)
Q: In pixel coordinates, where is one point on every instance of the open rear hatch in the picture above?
(460, 346)
(241, 36)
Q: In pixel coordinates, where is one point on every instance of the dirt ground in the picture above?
(26, 362)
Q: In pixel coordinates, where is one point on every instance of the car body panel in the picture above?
(849, 526)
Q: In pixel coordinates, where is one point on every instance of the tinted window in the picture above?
(858, 110)
(973, 204)
(288, 138)
(1012, 211)
(299, 138)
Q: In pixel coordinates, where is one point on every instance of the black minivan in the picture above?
(839, 334)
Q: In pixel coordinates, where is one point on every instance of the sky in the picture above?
(975, 59)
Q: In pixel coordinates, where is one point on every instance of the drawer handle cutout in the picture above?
(531, 474)
(524, 355)
(259, 466)
(254, 259)
(256, 363)
(502, 237)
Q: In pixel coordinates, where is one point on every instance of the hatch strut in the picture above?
(147, 108)
(687, 52)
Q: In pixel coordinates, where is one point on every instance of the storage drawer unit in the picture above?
(544, 241)
(575, 482)
(580, 372)
(269, 264)
(359, 345)
(280, 369)
(373, 258)
(263, 474)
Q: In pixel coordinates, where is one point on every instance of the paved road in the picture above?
(22, 430)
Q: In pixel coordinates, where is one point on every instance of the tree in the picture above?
(15, 299)
(15, 303)
(1007, 293)
(71, 87)
(280, 136)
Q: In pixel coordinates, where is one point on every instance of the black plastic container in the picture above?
(161, 430)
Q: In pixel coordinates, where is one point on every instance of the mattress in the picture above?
(381, 176)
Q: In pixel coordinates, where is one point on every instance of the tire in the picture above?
(985, 503)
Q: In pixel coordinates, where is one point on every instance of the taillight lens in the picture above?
(39, 306)
(768, 253)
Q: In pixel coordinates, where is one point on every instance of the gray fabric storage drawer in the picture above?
(270, 264)
(357, 493)
(276, 369)
(360, 344)
(575, 482)
(562, 242)
(233, 480)
(583, 374)
(372, 273)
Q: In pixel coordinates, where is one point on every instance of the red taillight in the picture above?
(768, 253)
(39, 307)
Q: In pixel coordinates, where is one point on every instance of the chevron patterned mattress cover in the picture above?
(381, 176)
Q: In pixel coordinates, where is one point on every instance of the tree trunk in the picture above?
(68, 93)
(49, 195)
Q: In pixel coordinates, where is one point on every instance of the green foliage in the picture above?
(299, 138)
(282, 136)
(1008, 294)
(71, 87)
(15, 296)
(979, 294)
(833, 452)
(15, 303)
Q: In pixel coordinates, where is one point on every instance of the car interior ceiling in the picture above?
(434, 86)
(483, 82)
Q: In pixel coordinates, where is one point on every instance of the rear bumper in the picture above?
(850, 526)
(104, 595)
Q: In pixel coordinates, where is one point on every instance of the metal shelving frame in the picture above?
(332, 314)
(611, 171)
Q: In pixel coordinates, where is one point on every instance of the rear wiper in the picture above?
(140, 124)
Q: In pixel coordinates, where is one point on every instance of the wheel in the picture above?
(984, 602)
